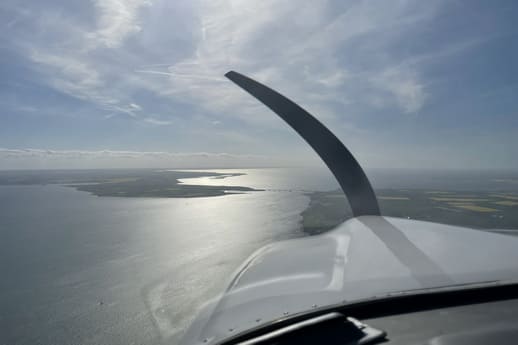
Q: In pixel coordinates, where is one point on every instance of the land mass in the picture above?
(126, 183)
(484, 210)
(495, 209)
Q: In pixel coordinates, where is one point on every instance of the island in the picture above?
(126, 183)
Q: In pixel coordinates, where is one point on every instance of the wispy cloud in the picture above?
(81, 61)
(368, 69)
(116, 20)
(299, 49)
(408, 93)
(303, 58)
(75, 77)
(157, 122)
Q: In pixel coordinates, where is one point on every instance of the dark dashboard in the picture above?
(480, 316)
(484, 323)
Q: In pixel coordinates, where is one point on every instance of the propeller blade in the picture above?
(336, 156)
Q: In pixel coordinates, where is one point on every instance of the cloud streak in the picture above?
(46, 158)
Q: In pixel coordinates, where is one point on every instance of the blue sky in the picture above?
(139, 83)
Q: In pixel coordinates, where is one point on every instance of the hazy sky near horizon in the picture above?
(139, 83)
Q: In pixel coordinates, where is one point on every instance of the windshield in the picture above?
(136, 180)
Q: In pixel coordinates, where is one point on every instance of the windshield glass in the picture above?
(136, 180)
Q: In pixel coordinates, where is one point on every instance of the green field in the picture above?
(474, 209)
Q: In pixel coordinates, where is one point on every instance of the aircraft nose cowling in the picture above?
(365, 257)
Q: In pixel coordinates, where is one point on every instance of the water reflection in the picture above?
(204, 240)
(303, 179)
(125, 270)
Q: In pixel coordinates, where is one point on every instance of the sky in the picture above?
(139, 83)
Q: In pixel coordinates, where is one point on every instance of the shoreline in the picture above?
(483, 209)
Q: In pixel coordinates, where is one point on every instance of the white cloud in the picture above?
(74, 76)
(90, 64)
(301, 50)
(135, 106)
(117, 19)
(157, 122)
(404, 86)
(161, 63)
